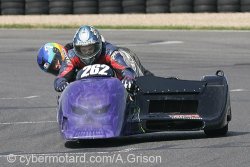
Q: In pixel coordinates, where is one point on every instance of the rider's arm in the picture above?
(67, 71)
(116, 61)
(66, 75)
(123, 71)
(121, 68)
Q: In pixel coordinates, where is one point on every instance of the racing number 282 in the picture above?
(96, 69)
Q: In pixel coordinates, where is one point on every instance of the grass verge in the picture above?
(168, 27)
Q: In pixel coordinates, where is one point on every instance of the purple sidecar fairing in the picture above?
(92, 108)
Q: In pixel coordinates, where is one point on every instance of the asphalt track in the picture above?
(28, 127)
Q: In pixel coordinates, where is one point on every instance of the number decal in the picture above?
(85, 71)
(96, 70)
(105, 69)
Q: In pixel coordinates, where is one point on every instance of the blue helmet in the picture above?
(50, 57)
(87, 44)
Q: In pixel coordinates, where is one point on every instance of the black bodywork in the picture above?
(165, 104)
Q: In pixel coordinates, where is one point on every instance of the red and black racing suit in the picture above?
(109, 56)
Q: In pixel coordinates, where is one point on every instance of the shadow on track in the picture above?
(130, 140)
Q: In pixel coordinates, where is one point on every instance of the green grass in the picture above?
(40, 26)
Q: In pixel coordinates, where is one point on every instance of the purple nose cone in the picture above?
(92, 108)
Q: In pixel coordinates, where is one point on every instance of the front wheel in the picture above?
(217, 132)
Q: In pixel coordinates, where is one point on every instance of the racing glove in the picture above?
(129, 83)
(60, 84)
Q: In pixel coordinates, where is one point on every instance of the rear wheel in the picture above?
(217, 132)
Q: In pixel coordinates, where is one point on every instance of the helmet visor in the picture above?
(88, 51)
(56, 63)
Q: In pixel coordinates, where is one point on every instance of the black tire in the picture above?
(36, 7)
(6, 5)
(133, 3)
(60, 11)
(245, 2)
(217, 132)
(32, 11)
(36, 1)
(13, 11)
(181, 2)
(157, 9)
(85, 3)
(107, 10)
(134, 9)
(60, 4)
(85, 10)
(245, 8)
(228, 2)
(109, 3)
(37, 4)
(205, 2)
(181, 9)
(157, 2)
(13, 1)
(205, 9)
(229, 115)
(60, 7)
(228, 8)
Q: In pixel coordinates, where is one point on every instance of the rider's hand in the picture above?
(129, 83)
(60, 84)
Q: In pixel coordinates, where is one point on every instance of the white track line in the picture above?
(69, 153)
(154, 43)
(166, 42)
(239, 90)
(20, 123)
(14, 98)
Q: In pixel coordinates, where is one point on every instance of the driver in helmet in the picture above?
(50, 57)
(89, 48)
